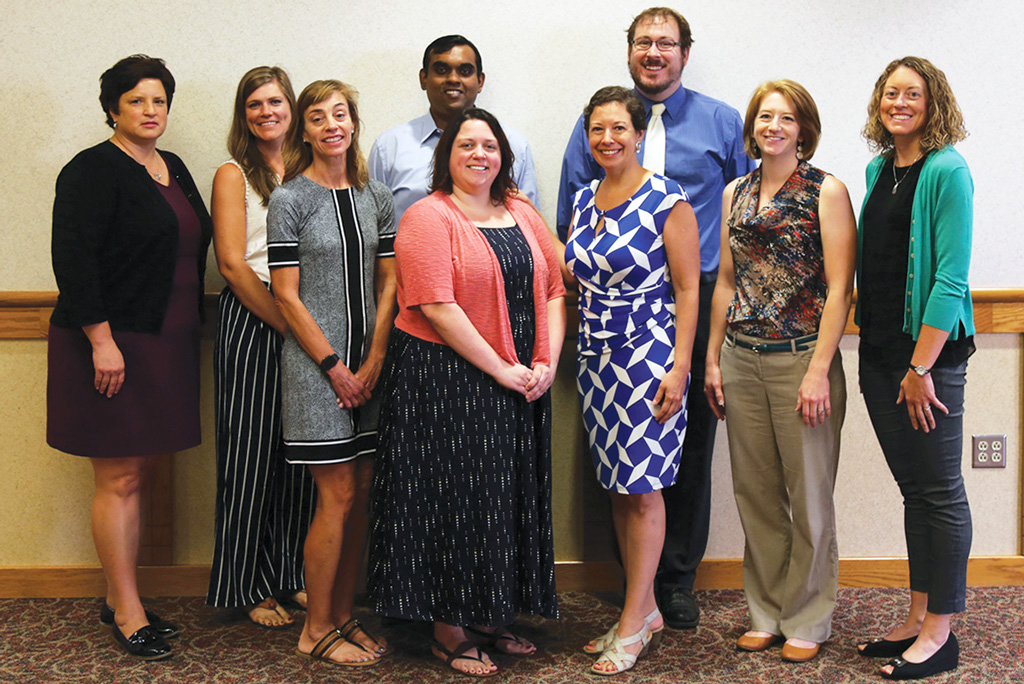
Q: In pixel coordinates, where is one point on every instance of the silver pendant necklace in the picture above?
(157, 176)
(896, 182)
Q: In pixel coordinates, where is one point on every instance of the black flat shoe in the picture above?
(167, 630)
(144, 644)
(943, 660)
(883, 648)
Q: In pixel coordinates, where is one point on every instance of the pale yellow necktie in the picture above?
(654, 146)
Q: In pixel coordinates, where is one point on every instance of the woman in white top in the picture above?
(264, 505)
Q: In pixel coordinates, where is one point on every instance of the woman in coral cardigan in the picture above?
(461, 532)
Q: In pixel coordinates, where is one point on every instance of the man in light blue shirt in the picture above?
(703, 152)
(402, 157)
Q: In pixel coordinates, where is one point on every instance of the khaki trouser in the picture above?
(783, 475)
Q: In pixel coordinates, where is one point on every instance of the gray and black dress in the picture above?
(334, 237)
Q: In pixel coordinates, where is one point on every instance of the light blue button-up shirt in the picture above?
(703, 152)
(402, 159)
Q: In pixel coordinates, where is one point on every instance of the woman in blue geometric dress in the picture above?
(634, 249)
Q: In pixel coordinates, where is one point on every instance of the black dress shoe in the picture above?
(679, 608)
(943, 660)
(162, 627)
(144, 644)
(883, 648)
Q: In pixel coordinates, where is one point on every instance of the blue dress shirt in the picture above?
(402, 158)
(703, 152)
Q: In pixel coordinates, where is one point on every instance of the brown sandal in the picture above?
(328, 645)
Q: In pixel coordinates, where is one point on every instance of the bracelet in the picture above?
(329, 362)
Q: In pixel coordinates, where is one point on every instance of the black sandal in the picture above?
(460, 654)
(498, 635)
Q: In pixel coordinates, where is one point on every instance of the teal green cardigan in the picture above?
(940, 245)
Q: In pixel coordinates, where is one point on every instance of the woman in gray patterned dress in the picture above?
(331, 238)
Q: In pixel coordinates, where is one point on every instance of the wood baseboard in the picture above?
(727, 573)
(191, 580)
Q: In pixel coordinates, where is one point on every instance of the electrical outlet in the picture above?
(989, 451)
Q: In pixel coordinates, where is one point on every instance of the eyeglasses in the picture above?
(663, 44)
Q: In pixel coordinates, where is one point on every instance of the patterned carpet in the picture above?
(61, 640)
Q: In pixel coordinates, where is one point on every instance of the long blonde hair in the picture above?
(241, 143)
(318, 91)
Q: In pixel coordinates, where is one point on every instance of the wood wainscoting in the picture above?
(25, 316)
(192, 580)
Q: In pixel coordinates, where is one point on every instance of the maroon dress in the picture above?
(157, 409)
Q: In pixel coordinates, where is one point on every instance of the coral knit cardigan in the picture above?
(442, 257)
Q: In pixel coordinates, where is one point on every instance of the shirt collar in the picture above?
(425, 128)
(673, 104)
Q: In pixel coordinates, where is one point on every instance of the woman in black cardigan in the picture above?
(130, 235)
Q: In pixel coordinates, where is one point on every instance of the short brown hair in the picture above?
(503, 186)
(125, 75)
(316, 92)
(806, 115)
(663, 14)
(945, 123)
(625, 96)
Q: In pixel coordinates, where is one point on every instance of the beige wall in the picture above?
(542, 60)
(45, 506)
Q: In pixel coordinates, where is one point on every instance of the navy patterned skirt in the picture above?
(461, 503)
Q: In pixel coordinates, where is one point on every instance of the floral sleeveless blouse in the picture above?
(777, 257)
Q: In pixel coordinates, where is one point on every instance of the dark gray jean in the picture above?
(926, 466)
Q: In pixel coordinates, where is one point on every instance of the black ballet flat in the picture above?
(943, 660)
(144, 644)
(883, 648)
(163, 628)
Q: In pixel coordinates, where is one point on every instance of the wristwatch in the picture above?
(329, 362)
(921, 370)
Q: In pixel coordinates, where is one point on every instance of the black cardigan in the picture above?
(115, 241)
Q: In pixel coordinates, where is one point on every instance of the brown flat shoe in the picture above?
(797, 654)
(754, 643)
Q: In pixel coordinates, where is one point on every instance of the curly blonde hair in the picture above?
(945, 124)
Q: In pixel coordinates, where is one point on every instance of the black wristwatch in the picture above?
(921, 370)
(329, 362)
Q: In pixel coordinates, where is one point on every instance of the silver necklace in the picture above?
(896, 182)
(157, 176)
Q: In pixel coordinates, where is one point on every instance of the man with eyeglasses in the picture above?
(697, 141)
(402, 157)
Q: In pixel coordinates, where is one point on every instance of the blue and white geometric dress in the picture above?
(626, 336)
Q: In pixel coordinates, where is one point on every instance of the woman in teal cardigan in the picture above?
(916, 334)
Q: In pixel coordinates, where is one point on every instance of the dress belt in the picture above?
(793, 344)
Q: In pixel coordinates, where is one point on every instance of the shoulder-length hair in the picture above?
(945, 124)
(241, 142)
(503, 186)
(318, 91)
(806, 116)
(125, 75)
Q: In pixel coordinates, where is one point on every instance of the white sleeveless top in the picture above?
(255, 229)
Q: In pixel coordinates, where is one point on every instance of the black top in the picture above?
(885, 253)
(115, 240)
